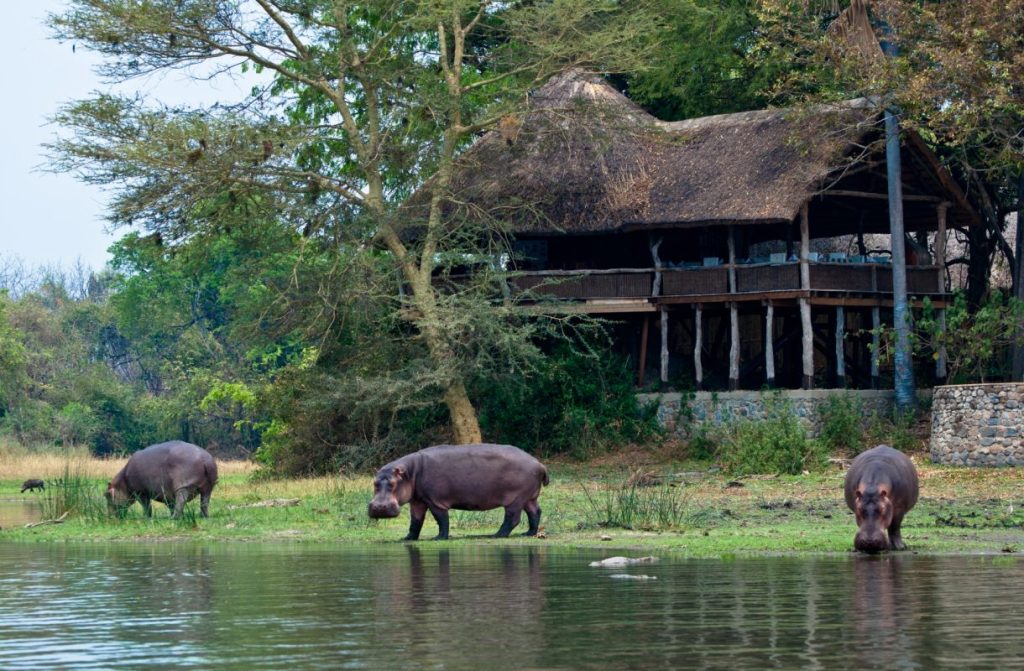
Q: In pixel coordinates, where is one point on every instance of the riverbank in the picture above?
(635, 503)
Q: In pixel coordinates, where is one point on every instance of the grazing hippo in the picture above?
(881, 486)
(172, 473)
(32, 485)
(463, 477)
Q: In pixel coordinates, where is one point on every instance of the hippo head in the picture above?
(874, 510)
(117, 498)
(391, 489)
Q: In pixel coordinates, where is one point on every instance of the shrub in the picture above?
(842, 423)
(575, 403)
(775, 444)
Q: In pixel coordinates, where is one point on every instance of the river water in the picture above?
(421, 606)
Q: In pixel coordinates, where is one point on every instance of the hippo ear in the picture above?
(399, 472)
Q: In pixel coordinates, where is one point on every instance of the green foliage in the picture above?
(632, 506)
(710, 63)
(575, 402)
(978, 343)
(776, 443)
(842, 423)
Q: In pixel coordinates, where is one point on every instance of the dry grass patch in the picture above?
(54, 465)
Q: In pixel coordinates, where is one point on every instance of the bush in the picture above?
(632, 506)
(842, 423)
(576, 403)
(775, 444)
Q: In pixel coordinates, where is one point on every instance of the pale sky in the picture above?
(47, 218)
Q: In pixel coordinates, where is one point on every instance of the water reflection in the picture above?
(422, 606)
(16, 512)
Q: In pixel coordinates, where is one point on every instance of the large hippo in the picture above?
(881, 486)
(172, 473)
(463, 477)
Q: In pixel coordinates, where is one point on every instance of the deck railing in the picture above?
(868, 278)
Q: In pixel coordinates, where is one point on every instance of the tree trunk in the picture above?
(463, 415)
(906, 398)
(1018, 281)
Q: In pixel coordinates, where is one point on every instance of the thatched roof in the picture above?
(585, 159)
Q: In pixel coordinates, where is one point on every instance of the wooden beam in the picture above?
(876, 342)
(734, 347)
(807, 341)
(840, 347)
(878, 196)
(940, 260)
(664, 345)
(698, 345)
(643, 351)
(769, 345)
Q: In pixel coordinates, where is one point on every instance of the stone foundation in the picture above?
(720, 407)
(978, 424)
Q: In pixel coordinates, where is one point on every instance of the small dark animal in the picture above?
(171, 473)
(460, 477)
(881, 486)
(32, 485)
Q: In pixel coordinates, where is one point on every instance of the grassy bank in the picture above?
(689, 508)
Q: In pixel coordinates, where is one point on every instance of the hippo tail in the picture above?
(211, 471)
(545, 480)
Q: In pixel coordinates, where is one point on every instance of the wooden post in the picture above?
(807, 341)
(734, 320)
(643, 351)
(876, 342)
(769, 346)
(840, 347)
(656, 288)
(906, 398)
(734, 347)
(698, 345)
(940, 260)
(664, 345)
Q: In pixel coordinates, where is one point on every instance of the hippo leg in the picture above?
(533, 517)
(417, 513)
(441, 516)
(895, 539)
(512, 517)
(147, 505)
(181, 497)
(204, 503)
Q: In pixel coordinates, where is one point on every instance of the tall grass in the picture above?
(74, 493)
(630, 505)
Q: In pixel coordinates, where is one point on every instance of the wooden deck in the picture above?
(830, 284)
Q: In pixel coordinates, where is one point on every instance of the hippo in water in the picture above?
(463, 477)
(32, 485)
(172, 473)
(881, 486)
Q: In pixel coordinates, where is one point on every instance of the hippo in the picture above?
(32, 485)
(464, 477)
(172, 473)
(881, 486)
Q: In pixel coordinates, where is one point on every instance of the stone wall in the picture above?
(978, 424)
(720, 407)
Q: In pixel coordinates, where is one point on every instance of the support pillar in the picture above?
(734, 320)
(664, 346)
(840, 347)
(769, 346)
(807, 339)
(698, 345)
(876, 343)
(903, 364)
(940, 260)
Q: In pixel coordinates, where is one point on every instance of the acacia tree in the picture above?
(366, 102)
